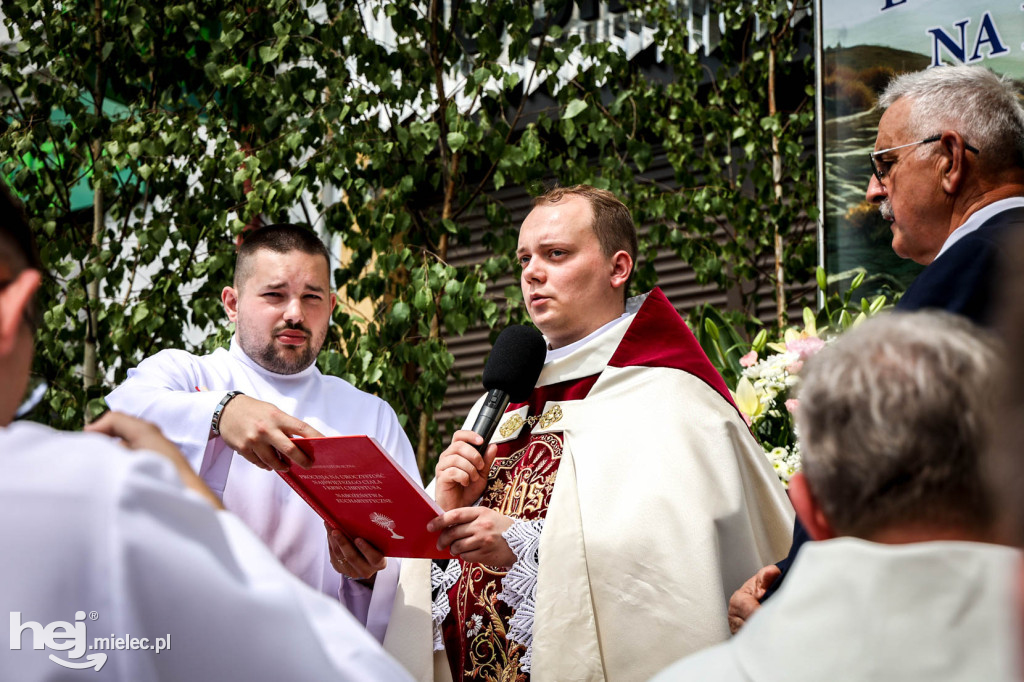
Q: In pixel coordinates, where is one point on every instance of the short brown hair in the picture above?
(279, 238)
(613, 223)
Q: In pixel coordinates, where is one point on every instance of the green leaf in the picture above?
(268, 53)
(456, 141)
(575, 108)
(399, 312)
(140, 313)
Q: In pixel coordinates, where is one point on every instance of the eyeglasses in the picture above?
(30, 314)
(881, 167)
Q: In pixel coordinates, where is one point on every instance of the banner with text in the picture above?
(863, 44)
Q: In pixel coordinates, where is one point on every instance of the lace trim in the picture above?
(440, 583)
(519, 586)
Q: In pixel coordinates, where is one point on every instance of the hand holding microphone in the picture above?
(510, 374)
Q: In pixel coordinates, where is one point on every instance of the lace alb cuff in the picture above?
(519, 586)
(440, 583)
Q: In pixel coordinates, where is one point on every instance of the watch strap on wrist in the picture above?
(215, 422)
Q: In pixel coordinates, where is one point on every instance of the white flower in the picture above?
(473, 625)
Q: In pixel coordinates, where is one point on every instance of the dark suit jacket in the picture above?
(962, 281)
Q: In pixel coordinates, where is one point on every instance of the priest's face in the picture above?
(571, 288)
(282, 309)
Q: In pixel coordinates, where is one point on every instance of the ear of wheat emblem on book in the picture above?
(386, 523)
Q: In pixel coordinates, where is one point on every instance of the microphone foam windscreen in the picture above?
(515, 362)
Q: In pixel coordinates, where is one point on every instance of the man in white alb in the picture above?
(232, 412)
(111, 570)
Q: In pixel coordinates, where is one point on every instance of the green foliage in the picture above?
(724, 339)
(181, 123)
(720, 134)
(142, 137)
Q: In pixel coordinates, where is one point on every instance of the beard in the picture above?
(280, 359)
(885, 208)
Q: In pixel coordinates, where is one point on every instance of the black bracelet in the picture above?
(215, 422)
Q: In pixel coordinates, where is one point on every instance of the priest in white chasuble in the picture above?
(232, 412)
(614, 511)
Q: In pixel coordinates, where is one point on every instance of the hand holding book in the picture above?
(356, 559)
(360, 491)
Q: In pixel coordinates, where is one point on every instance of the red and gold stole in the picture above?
(519, 486)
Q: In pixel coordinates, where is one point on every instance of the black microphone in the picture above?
(511, 372)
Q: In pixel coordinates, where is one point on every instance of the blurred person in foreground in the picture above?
(948, 174)
(109, 563)
(904, 583)
(615, 510)
(1005, 461)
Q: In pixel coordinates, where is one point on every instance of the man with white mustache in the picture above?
(948, 172)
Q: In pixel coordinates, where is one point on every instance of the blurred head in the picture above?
(1005, 459)
(963, 106)
(20, 272)
(576, 248)
(893, 419)
(281, 301)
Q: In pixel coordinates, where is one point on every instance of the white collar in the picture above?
(979, 218)
(556, 353)
(632, 305)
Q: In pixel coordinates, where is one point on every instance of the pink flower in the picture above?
(750, 359)
(795, 367)
(792, 404)
(805, 347)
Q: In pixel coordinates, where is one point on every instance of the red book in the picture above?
(357, 488)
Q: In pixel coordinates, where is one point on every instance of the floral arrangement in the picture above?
(763, 392)
(763, 374)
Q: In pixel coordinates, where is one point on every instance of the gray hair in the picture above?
(893, 420)
(983, 107)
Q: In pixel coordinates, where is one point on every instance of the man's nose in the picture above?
(876, 190)
(293, 311)
(533, 271)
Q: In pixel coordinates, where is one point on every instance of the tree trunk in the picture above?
(90, 355)
(780, 276)
(423, 445)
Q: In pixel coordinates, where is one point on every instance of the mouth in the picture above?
(292, 337)
(538, 299)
